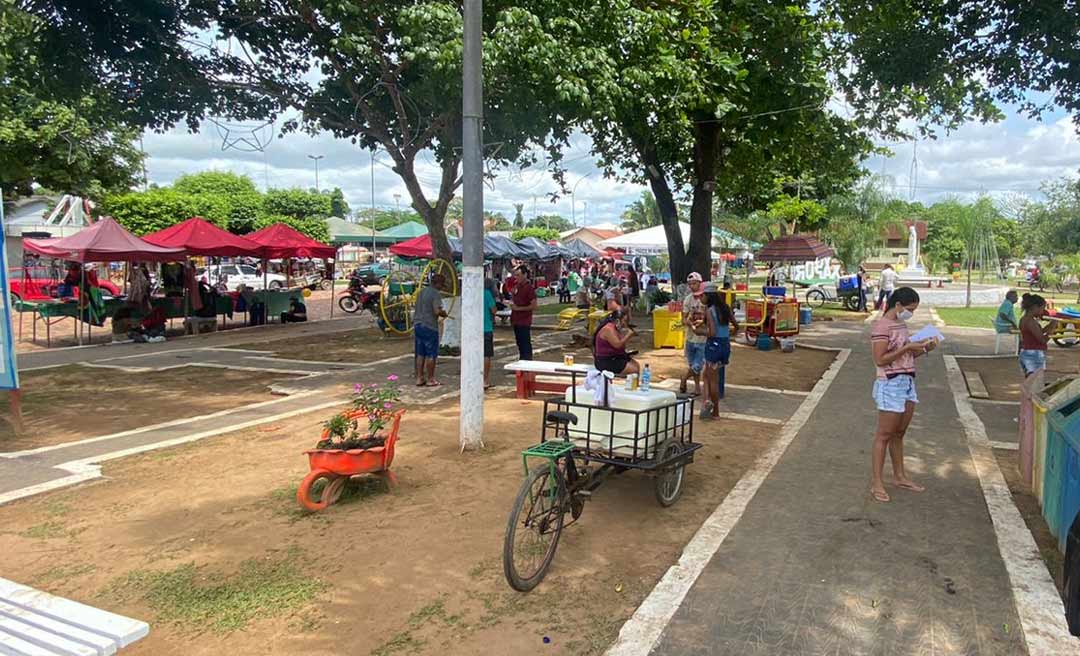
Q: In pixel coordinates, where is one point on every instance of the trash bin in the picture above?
(1071, 571)
(667, 329)
(806, 316)
(1050, 397)
(1061, 484)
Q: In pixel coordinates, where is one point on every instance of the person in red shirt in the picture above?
(522, 305)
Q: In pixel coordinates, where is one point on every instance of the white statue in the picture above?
(913, 264)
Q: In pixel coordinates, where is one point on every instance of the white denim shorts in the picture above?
(892, 394)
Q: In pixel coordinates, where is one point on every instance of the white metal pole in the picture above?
(472, 305)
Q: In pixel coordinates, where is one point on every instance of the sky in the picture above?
(1010, 157)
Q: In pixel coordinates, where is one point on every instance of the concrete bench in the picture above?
(526, 372)
(199, 325)
(35, 623)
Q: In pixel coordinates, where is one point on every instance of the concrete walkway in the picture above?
(814, 566)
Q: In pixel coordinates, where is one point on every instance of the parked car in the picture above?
(235, 274)
(373, 273)
(38, 283)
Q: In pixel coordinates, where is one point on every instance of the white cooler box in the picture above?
(600, 435)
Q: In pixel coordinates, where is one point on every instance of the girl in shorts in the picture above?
(720, 321)
(1033, 335)
(894, 389)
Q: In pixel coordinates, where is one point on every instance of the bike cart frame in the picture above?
(577, 460)
(775, 319)
(1066, 331)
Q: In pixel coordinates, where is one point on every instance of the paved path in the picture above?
(815, 567)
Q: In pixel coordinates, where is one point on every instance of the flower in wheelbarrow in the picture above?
(388, 405)
(392, 377)
(357, 387)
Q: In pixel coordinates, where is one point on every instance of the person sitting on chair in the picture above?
(609, 346)
(297, 312)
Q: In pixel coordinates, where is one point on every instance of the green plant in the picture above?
(374, 402)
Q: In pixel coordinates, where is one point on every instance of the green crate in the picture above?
(552, 450)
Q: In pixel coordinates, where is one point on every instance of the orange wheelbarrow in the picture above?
(336, 466)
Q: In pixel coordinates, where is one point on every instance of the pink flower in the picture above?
(387, 405)
(392, 377)
(357, 387)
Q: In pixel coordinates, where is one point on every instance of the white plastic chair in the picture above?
(1014, 339)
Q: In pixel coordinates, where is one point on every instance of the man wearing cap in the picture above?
(696, 331)
(426, 331)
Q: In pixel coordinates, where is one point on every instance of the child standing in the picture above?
(1033, 340)
(720, 319)
(894, 389)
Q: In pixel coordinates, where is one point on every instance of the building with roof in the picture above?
(591, 235)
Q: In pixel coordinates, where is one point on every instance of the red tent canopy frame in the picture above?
(105, 241)
(197, 236)
(279, 240)
(415, 247)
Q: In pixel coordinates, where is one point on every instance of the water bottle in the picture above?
(646, 376)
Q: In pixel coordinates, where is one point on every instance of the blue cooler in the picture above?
(764, 342)
(806, 316)
(848, 283)
(774, 291)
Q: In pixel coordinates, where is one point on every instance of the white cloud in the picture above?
(1016, 155)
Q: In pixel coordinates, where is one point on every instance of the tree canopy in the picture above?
(225, 199)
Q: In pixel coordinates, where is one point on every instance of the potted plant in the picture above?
(359, 440)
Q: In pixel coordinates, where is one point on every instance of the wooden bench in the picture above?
(526, 372)
(33, 622)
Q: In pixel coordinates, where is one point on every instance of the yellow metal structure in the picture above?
(401, 288)
(570, 316)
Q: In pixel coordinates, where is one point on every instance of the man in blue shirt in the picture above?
(1005, 321)
(489, 329)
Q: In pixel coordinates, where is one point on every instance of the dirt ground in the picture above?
(363, 345)
(74, 402)
(1028, 505)
(219, 559)
(1002, 376)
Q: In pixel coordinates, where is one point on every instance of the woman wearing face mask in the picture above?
(894, 390)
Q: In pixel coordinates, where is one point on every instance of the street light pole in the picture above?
(316, 159)
(373, 204)
(397, 204)
(472, 238)
(573, 214)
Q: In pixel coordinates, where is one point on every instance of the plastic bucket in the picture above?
(787, 344)
(806, 316)
(764, 342)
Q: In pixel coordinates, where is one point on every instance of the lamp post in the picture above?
(373, 151)
(397, 204)
(316, 158)
(573, 214)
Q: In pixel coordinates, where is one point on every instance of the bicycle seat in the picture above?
(561, 418)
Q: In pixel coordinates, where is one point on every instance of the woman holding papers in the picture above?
(894, 389)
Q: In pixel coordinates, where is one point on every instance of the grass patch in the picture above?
(64, 572)
(283, 499)
(195, 598)
(552, 308)
(45, 531)
(838, 313)
(405, 640)
(972, 317)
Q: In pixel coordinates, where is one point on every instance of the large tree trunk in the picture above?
(434, 216)
(669, 217)
(706, 152)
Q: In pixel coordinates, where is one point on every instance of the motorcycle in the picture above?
(356, 298)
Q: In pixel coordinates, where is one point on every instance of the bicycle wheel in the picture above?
(668, 483)
(534, 527)
(815, 298)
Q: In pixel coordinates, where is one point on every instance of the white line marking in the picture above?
(741, 417)
(343, 365)
(44, 366)
(269, 370)
(995, 402)
(643, 630)
(143, 429)
(986, 357)
(88, 468)
(771, 390)
(1005, 446)
(1042, 615)
(938, 322)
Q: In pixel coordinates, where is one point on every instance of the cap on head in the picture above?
(694, 277)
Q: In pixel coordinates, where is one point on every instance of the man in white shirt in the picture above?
(888, 284)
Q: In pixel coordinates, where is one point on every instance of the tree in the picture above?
(795, 214)
(214, 182)
(519, 217)
(1053, 227)
(642, 213)
(1008, 239)
(338, 205)
(299, 203)
(554, 222)
(543, 234)
(497, 221)
(721, 107)
(857, 221)
(975, 227)
(1071, 266)
(385, 219)
(944, 62)
(74, 143)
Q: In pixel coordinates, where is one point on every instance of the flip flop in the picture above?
(434, 383)
(421, 384)
(882, 497)
(914, 487)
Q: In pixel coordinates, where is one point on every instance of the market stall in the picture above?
(281, 241)
(776, 315)
(104, 241)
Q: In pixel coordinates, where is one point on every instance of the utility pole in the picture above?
(397, 204)
(472, 238)
(373, 204)
(573, 214)
(316, 159)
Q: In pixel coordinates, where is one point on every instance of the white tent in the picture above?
(650, 241)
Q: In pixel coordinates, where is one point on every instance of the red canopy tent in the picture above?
(415, 247)
(104, 241)
(279, 240)
(197, 236)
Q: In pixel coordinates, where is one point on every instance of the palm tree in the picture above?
(975, 226)
(642, 213)
(857, 221)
